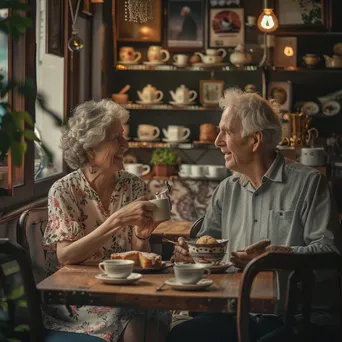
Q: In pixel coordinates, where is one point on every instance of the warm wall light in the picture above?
(288, 51)
(267, 21)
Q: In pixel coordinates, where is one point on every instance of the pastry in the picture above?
(206, 239)
(141, 259)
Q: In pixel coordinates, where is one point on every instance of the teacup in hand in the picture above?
(190, 273)
(117, 269)
(162, 212)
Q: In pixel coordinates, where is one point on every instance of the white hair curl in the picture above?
(88, 127)
(256, 114)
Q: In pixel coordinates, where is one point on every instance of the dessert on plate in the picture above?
(141, 259)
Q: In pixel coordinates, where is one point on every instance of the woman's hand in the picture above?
(181, 251)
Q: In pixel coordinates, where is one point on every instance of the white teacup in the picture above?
(251, 21)
(154, 54)
(185, 170)
(176, 133)
(148, 132)
(127, 54)
(216, 171)
(190, 273)
(198, 171)
(181, 59)
(117, 269)
(163, 209)
(138, 169)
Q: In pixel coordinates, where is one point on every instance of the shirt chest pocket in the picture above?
(279, 225)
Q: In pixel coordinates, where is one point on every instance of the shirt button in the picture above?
(255, 220)
(256, 194)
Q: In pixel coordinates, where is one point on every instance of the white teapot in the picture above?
(183, 94)
(150, 94)
(212, 56)
(240, 56)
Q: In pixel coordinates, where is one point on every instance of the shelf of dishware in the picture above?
(179, 145)
(161, 106)
(174, 177)
(199, 66)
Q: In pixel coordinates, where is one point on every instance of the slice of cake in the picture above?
(131, 255)
(141, 259)
(150, 260)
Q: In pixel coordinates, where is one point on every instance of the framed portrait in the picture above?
(302, 16)
(285, 52)
(282, 93)
(225, 3)
(185, 24)
(211, 92)
(226, 27)
(55, 28)
(138, 32)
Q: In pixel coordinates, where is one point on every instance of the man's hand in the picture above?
(181, 251)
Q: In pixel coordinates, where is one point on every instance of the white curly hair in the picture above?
(88, 127)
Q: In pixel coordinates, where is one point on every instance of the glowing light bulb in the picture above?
(288, 51)
(267, 21)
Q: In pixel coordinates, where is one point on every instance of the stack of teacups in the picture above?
(203, 171)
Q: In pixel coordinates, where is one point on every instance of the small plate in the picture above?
(165, 265)
(174, 103)
(331, 108)
(146, 140)
(180, 65)
(175, 141)
(220, 268)
(148, 103)
(209, 65)
(109, 280)
(154, 63)
(202, 284)
(128, 63)
(310, 108)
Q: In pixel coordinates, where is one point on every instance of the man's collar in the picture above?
(276, 171)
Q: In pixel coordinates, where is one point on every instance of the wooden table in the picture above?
(77, 285)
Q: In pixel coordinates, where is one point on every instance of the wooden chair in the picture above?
(30, 232)
(196, 227)
(301, 280)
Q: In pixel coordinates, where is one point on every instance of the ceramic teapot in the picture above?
(240, 56)
(333, 62)
(150, 94)
(183, 94)
(212, 56)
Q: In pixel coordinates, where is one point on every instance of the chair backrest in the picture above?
(30, 231)
(302, 265)
(196, 227)
(20, 313)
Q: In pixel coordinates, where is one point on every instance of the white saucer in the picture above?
(148, 103)
(180, 65)
(175, 141)
(128, 62)
(209, 65)
(221, 267)
(174, 103)
(109, 280)
(146, 140)
(335, 111)
(154, 63)
(202, 284)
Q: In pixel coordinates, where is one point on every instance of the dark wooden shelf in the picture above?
(181, 146)
(162, 106)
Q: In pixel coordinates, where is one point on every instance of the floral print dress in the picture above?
(75, 210)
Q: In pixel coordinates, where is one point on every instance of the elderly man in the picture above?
(268, 197)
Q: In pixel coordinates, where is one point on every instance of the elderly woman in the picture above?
(94, 211)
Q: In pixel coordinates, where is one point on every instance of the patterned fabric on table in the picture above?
(14, 325)
(75, 210)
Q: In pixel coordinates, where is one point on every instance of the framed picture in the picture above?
(302, 16)
(185, 24)
(211, 92)
(55, 28)
(138, 32)
(285, 52)
(282, 93)
(226, 27)
(225, 3)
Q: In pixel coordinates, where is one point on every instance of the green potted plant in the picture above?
(164, 161)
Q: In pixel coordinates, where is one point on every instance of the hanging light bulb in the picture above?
(75, 43)
(267, 21)
(288, 51)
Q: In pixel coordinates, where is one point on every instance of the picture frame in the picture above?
(285, 52)
(225, 3)
(210, 92)
(282, 93)
(185, 25)
(226, 27)
(86, 8)
(302, 17)
(139, 32)
(55, 28)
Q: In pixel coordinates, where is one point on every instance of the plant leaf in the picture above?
(29, 134)
(18, 149)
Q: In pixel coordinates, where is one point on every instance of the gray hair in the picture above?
(88, 127)
(256, 114)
